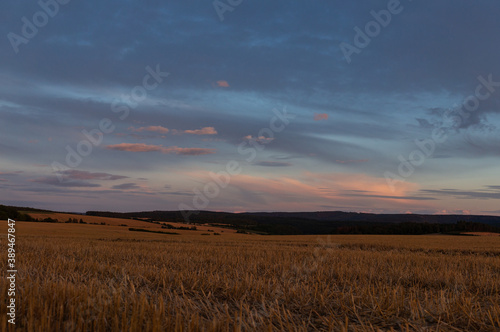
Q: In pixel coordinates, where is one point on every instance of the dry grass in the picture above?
(101, 278)
(62, 217)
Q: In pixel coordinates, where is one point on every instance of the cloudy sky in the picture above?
(374, 106)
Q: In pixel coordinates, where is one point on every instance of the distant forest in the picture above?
(15, 213)
(282, 223)
(322, 223)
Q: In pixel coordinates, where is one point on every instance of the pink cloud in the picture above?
(202, 131)
(158, 129)
(163, 130)
(258, 139)
(84, 175)
(188, 151)
(445, 211)
(139, 147)
(316, 191)
(223, 84)
(134, 147)
(320, 116)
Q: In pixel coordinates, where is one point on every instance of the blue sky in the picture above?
(175, 92)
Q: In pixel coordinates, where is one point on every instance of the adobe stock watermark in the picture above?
(29, 29)
(372, 29)
(121, 106)
(250, 147)
(222, 6)
(11, 271)
(455, 118)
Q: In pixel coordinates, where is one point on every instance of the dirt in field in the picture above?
(482, 233)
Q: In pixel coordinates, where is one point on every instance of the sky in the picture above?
(237, 105)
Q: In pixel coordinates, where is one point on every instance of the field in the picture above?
(62, 217)
(101, 278)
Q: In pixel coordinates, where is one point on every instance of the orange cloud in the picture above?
(140, 147)
(320, 116)
(188, 151)
(202, 131)
(318, 191)
(158, 129)
(223, 84)
(163, 130)
(444, 211)
(134, 147)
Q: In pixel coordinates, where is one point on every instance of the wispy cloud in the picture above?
(413, 198)
(273, 164)
(158, 129)
(492, 192)
(11, 173)
(202, 131)
(259, 139)
(126, 186)
(140, 147)
(54, 181)
(352, 161)
(314, 190)
(135, 147)
(188, 151)
(84, 175)
(163, 130)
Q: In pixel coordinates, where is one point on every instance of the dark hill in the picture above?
(324, 222)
